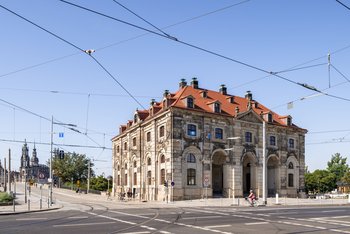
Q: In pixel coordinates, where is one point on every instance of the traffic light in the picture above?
(165, 184)
(61, 154)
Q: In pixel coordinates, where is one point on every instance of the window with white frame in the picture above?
(191, 176)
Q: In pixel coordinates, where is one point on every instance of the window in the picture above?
(291, 143)
(190, 103)
(118, 167)
(162, 176)
(148, 136)
(134, 141)
(272, 140)
(135, 178)
(217, 108)
(118, 149)
(149, 177)
(290, 180)
(289, 121)
(191, 130)
(248, 137)
(149, 162)
(191, 176)
(126, 166)
(135, 164)
(269, 118)
(162, 159)
(191, 158)
(118, 180)
(126, 179)
(161, 131)
(290, 165)
(218, 133)
(125, 145)
(135, 118)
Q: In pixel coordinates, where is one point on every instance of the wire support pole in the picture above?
(51, 144)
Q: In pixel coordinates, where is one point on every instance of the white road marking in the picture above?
(82, 224)
(328, 211)
(203, 217)
(78, 217)
(257, 223)
(218, 226)
(29, 219)
(134, 232)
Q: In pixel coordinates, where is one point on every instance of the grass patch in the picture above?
(5, 197)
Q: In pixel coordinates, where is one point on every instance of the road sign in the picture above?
(172, 183)
(206, 181)
(41, 176)
(61, 135)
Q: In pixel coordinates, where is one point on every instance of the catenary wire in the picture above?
(129, 39)
(304, 85)
(343, 4)
(78, 48)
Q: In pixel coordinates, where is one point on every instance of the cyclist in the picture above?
(251, 197)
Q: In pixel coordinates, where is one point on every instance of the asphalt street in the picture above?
(87, 213)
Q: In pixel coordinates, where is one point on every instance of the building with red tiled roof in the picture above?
(197, 140)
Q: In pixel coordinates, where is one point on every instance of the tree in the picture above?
(99, 183)
(319, 181)
(72, 166)
(338, 167)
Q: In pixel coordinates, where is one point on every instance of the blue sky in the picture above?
(272, 35)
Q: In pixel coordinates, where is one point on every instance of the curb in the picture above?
(29, 211)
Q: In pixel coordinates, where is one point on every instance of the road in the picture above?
(97, 216)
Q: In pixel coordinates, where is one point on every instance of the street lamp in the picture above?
(51, 151)
(233, 171)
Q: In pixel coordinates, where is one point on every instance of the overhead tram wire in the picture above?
(132, 38)
(304, 85)
(59, 145)
(343, 4)
(138, 16)
(88, 52)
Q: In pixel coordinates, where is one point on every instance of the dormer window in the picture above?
(190, 103)
(269, 117)
(289, 121)
(217, 108)
(204, 93)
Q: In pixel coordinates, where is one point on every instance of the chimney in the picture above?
(194, 83)
(223, 89)
(152, 102)
(237, 110)
(249, 96)
(166, 93)
(182, 83)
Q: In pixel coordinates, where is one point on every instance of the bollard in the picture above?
(14, 205)
(237, 201)
(40, 203)
(48, 203)
(28, 204)
(277, 198)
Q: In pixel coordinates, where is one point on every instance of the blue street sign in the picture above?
(61, 134)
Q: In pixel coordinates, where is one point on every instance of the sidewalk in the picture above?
(25, 203)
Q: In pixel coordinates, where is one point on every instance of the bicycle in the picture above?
(253, 203)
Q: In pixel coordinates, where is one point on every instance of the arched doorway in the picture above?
(272, 175)
(218, 161)
(249, 172)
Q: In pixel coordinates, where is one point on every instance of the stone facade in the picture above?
(186, 144)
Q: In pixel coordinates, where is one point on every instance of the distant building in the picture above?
(30, 167)
(180, 148)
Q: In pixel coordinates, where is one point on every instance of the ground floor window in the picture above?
(290, 180)
(191, 176)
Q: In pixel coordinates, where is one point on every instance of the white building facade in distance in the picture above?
(197, 142)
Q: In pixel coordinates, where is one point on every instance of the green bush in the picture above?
(5, 197)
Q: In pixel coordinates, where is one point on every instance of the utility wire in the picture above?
(340, 73)
(88, 52)
(59, 145)
(205, 50)
(138, 16)
(129, 39)
(343, 4)
(300, 68)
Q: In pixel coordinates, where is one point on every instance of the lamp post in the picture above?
(233, 171)
(51, 152)
(108, 179)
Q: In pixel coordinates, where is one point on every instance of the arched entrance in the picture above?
(218, 161)
(249, 173)
(272, 175)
